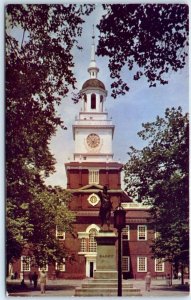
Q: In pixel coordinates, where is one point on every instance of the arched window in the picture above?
(93, 101)
(85, 102)
(92, 240)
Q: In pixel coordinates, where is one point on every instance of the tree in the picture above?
(34, 229)
(159, 175)
(150, 39)
(38, 77)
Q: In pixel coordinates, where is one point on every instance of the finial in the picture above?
(93, 69)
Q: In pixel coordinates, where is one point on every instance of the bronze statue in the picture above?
(105, 208)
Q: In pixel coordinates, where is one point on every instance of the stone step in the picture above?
(108, 284)
(106, 291)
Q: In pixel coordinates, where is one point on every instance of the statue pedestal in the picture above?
(106, 256)
(105, 281)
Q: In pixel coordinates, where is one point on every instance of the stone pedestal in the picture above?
(105, 281)
(106, 256)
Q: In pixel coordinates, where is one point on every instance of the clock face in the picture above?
(93, 140)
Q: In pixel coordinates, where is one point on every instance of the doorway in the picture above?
(91, 268)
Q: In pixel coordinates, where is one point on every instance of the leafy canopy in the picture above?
(159, 175)
(150, 39)
(39, 61)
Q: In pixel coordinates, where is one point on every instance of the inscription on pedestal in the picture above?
(106, 255)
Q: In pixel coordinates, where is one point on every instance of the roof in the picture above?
(93, 83)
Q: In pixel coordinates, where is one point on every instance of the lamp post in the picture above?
(119, 224)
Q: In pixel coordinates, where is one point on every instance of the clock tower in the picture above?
(93, 130)
(91, 169)
(93, 134)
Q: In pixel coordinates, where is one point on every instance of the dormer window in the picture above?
(93, 101)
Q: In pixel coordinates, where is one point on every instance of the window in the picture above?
(83, 246)
(157, 235)
(93, 199)
(61, 266)
(159, 265)
(25, 263)
(93, 101)
(101, 98)
(125, 233)
(125, 264)
(142, 264)
(92, 241)
(93, 176)
(60, 234)
(142, 232)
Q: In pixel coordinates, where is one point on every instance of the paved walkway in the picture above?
(67, 288)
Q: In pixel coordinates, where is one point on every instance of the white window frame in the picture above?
(83, 245)
(25, 263)
(159, 265)
(142, 234)
(61, 267)
(157, 235)
(92, 241)
(140, 259)
(126, 233)
(93, 177)
(125, 264)
(60, 234)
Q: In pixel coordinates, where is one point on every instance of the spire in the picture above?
(93, 46)
(93, 69)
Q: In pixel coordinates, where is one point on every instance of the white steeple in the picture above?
(93, 130)
(93, 69)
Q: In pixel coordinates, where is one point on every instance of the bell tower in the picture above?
(93, 134)
(93, 130)
(92, 166)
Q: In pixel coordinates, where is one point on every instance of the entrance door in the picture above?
(91, 269)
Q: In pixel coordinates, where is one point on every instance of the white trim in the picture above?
(82, 235)
(92, 226)
(93, 176)
(28, 263)
(161, 263)
(139, 233)
(124, 260)
(97, 199)
(60, 234)
(138, 264)
(134, 206)
(157, 234)
(128, 233)
(63, 266)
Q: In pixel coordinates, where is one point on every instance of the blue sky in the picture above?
(141, 104)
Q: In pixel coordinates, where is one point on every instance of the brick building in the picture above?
(92, 168)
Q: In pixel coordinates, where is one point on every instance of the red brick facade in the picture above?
(136, 251)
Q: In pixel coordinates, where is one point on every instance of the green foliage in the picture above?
(39, 61)
(48, 210)
(32, 226)
(150, 39)
(159, 175)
